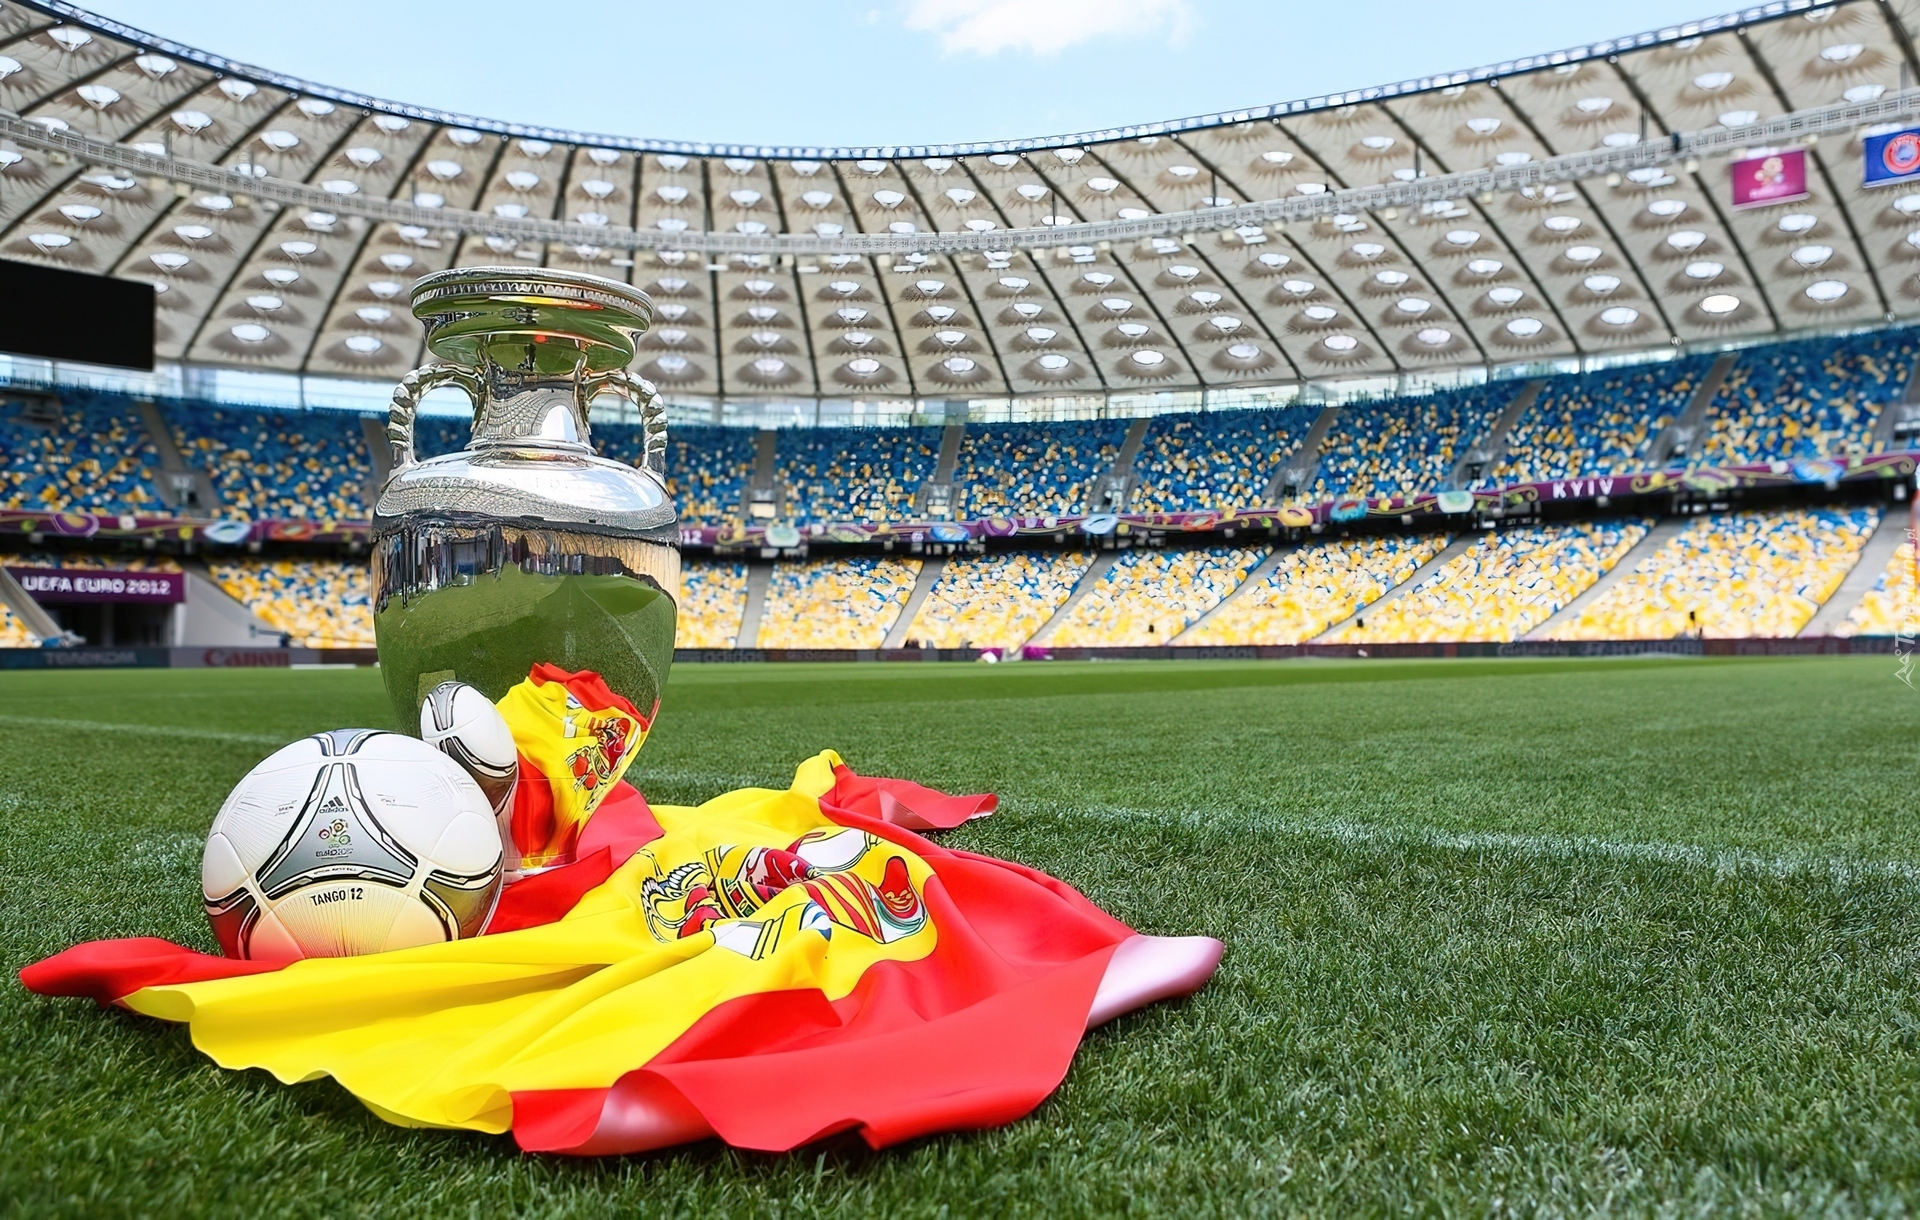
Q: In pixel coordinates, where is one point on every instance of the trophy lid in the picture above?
(560, 323)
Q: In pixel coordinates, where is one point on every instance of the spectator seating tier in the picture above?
(97, 458)
(277, 464)
(1731, 575)
(1218, 460)
(835, 603)
(1313, 587)
(1035, 469)
(855, 474)
(1892, 606)
(320, 603)
(996, 601)
(1402, 446)
(1502, 587)
(13, 632)
(1149, 597)
(1809, 399)
(713, 599)
(1597, 423)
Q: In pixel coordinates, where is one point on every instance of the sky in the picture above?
(874, 72)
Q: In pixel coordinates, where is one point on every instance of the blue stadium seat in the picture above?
(97, 458)
(1008, 469)
(855, 474)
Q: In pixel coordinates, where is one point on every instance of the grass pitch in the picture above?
(1527, 936)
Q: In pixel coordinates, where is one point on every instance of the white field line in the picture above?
(641, 772)
(1722, 861)
(174, 732)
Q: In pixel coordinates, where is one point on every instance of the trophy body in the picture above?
(525, 546)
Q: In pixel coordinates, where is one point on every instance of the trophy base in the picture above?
(490, 631)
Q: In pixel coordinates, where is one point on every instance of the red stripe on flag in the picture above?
(106, 970)
(590, 689)
(902, 802)
(622, 825)
(976, 1034)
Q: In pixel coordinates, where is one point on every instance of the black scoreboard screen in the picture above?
(65, 315)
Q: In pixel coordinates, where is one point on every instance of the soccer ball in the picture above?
(347, 842)
(464, 725)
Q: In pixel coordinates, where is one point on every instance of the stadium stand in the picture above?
(1805, 399)
(1148, 597)
(996, 601)
(1739, 574)
(855, 474)
(434, 435)
(1139, 328)
(1314, 587)
(707, 467)
(1035, 468)
(1889, 608)
(1809, 399)
(13, 632)
(284, 464)
(1401, 446)
(1503, 586)
(1596, 423)
(1223, 459)
(96, 457)
(1731, 575)
(713, 597)
(320, 603)
(835, 603)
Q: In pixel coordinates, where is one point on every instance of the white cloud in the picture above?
(1042, 27)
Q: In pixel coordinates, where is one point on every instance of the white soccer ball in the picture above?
(347, 842)
(464, 725)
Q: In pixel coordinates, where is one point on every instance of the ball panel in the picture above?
(269, 940)
(232, 921)
(470, 844)
(339, 835)
(344, 918)
(467, 903)
(262, 810)
(221, 872)
(414, 923)
(415, 798)
(340, 742)
(456, 713)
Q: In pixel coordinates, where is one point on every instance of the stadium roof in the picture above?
(1567, 204)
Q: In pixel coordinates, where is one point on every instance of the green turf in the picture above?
(1527, 936)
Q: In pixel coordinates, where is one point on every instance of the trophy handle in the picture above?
(406, 403)
(653, 413)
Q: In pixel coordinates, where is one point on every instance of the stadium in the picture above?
(1487, 497)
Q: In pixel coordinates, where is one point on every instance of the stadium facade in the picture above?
(1597, 397)
(1565, 207)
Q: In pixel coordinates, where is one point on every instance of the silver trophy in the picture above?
(526, 546)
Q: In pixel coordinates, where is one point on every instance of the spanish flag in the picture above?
(771, 967)
(576, 739)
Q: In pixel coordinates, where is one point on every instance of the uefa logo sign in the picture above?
(1902, 153)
